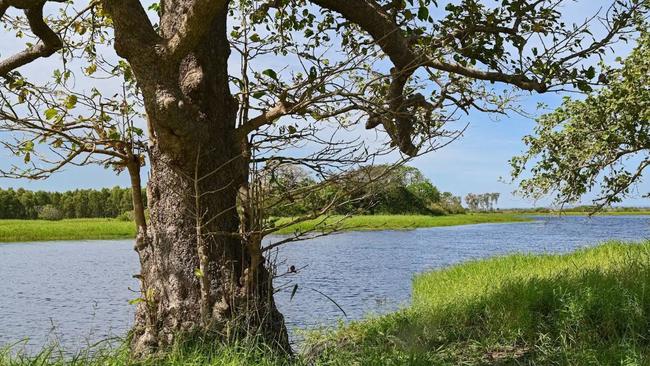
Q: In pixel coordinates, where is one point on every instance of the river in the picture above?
(77, 293)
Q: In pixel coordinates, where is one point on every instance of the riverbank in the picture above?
(91, 229)
(399, 222)
(578, 213)
(587, 307)
(71, 229)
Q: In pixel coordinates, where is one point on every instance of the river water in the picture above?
(76, 293)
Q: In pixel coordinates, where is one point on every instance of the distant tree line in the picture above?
(482, 201)
(379, 189)
(371, 190)
(81, 203)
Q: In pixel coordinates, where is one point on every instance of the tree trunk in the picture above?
(201, 270)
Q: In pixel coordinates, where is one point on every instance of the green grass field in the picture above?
(591, 307)
(73, 229)
(401, 222)
(85, 229)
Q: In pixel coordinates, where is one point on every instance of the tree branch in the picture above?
(49, 41)
(282, 108)
(389, 36)
(135, 37)
(194, 24)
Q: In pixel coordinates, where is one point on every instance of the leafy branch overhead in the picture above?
(601, 142)
(400, 65)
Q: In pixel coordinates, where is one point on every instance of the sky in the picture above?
(475, 163)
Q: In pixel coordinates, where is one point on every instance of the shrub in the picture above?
(437, 210)
(126, 216)
(51, 213)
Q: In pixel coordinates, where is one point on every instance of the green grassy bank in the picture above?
(82, 229)
(403, 222)
(579, 213)
(591, 307)
(73, 229)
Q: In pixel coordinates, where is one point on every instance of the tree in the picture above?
(210, 126)
(49, 212)
(599, 142)
(482, 201)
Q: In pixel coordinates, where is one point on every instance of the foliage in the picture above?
(449, 203)
(601, 142)
(379, 189)
(126, 216)
(80, 203)
(50, 212)
(310, 72)
(482, 201)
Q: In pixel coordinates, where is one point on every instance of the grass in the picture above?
(73, 229)
(591, 307)
(85, 229)
(88, 229)
(401, 222)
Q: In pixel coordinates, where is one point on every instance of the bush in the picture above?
(51, 213)
(126, 216)
(437, 210)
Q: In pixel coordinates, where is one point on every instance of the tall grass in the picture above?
(591, 307)
(189, 354)
(584, 308)
(72, 229)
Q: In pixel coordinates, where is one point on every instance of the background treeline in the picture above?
(377, 189)
(368, 190)
(80, 203)
(482, 201)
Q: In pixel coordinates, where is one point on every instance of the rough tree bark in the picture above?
(201, 272)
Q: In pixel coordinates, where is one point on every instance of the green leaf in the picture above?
(293, 291)
(270, 73)
(136, 301)
(423, 13)
(259, 94)
(28, 146)
(198, 273)
(584, 86)
(91, 69)
(70, 102)
(50, 113)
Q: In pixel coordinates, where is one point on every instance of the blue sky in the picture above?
(474, 163)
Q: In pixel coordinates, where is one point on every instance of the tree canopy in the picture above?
(601, 142)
